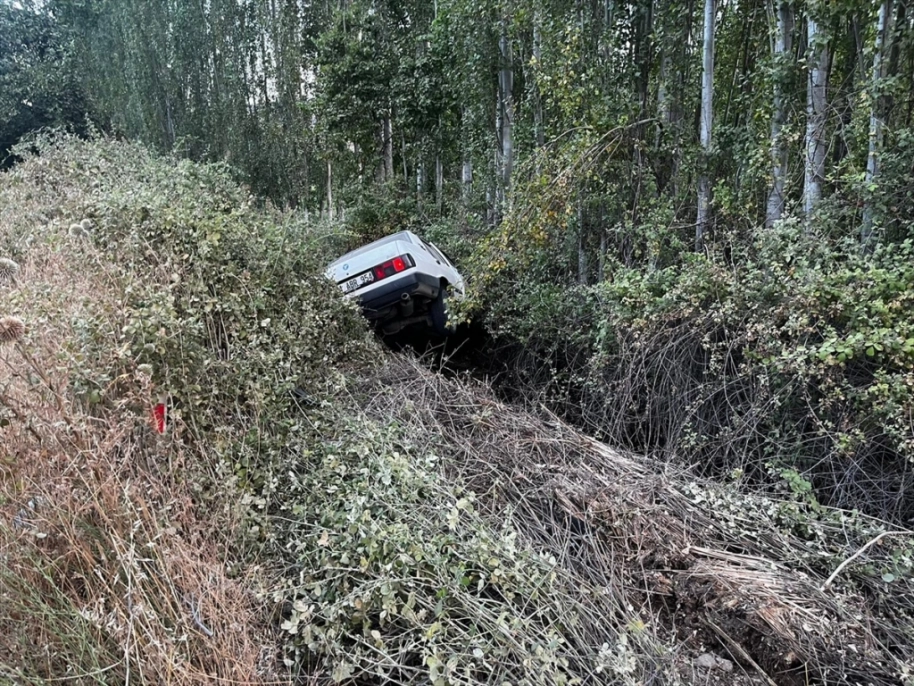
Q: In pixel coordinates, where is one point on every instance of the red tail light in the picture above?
(394, 266)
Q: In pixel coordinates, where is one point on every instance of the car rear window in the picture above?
(437, 253)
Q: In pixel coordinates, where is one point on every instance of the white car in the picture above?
(400, 281)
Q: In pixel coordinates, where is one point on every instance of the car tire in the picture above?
(439, 314)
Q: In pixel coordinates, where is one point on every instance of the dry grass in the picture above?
(112, 569)
(703, 564)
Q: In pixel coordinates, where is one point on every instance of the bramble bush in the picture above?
(794, 354)
(396, 577)
(139, 280)
(374, 564)
(224, 302)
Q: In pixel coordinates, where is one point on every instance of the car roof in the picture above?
(407, 236)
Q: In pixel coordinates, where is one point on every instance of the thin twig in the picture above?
(860, 552)
(737, 648)
(195, 615)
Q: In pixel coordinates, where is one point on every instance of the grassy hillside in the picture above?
(318, 510)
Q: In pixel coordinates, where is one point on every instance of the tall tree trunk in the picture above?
(329, 190)
(466, 181)
(538, 123)
(664, 111)
(506, 108)
(404, 159)
(387, 140)
(420, 181)
(877, 112)
(707, 120)
(644, 56)
(439, 183)
(683, 76)
(898, 27)
(782, 48)
(169, 123)
(817, 48)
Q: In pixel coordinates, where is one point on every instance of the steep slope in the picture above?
(210, 472)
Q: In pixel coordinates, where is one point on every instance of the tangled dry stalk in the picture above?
(109, 572)
(710, 565)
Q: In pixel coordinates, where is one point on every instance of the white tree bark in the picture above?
(782, 47)
(883, 32)
(816, 103)
(538, 123)
(601, 262)
(707, 122)
(387, 143)
(506, 107)
(663, 93)
(439, 183)
(466, 180)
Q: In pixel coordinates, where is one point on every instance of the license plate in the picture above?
(357, 282)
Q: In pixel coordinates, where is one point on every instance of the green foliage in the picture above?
(225, 304)
(145, 280)
(182, 77)
(379, 562)
(379, 211)
(892, 196)
(38, 84)
(397, 576)
(356, 60)
(381, 567)
(798, 352)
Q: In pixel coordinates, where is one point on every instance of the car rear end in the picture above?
(384, 278)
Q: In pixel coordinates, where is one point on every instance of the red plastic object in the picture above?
(159, 413)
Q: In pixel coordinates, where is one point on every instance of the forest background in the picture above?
(686, 226)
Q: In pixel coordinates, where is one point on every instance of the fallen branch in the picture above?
(834, 574)
(739, 650)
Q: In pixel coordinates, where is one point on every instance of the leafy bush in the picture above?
(224, 302)
(286, 483)
(142, 280)
(186, 293)
(797, 354)
(396, 576)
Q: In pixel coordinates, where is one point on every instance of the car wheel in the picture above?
(439, 314)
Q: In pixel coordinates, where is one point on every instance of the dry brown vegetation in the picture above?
(110, 569)
(127, 281)
(702, 565)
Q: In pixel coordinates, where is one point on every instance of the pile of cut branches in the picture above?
(789, 591)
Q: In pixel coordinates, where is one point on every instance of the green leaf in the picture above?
(342, 671)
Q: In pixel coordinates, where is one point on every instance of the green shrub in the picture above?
(139, 280)
(224, 302)
(395, 577)
(797, 353)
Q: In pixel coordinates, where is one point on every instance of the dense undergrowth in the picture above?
(318, 511)
(142, 281)
(789, 361)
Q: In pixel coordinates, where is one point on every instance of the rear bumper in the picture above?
(377, 302)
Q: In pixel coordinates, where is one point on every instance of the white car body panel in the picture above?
(406, 242)
(404, 295)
